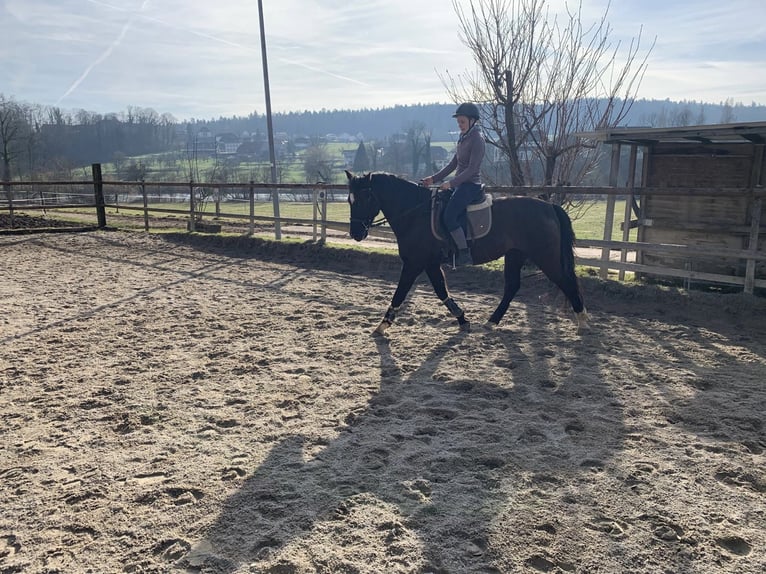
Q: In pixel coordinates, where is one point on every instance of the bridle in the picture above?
(371, 222)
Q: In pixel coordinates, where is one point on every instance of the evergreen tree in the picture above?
(361, 159)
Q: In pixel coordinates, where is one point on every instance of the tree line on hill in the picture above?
(376, 123)
(44, 141)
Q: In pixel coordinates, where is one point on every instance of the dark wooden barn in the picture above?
(698, 188)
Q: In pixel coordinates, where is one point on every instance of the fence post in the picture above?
(755, 224)
(9, 193)
(609, 218)
(98, 188)
(218, 202)
(755, 218)
(146, 205)
(192, 222)
(251, 197)
(323, 195)
(277, 222)
(628, 207)
(314, 200)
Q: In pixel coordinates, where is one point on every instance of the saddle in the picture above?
(478, 216)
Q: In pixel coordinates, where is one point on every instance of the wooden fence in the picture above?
(26, 196)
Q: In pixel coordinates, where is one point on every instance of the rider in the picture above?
(467, 180)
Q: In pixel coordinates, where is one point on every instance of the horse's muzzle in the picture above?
(358, 230)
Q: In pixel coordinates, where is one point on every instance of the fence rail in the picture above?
(93, 194)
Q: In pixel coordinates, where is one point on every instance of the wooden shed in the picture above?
(699, 187)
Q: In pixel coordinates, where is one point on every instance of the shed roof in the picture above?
(753, 132)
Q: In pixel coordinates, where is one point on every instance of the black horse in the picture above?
(522, 228)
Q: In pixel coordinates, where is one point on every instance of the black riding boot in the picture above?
(463, 253)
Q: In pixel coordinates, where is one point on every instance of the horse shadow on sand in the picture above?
(428, 476)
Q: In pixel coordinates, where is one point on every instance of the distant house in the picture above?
(249, 149)
(302, 142)
(203, 142)
(227, 143)
(348, 157)
(439, 156)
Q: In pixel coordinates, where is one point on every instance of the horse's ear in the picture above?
(349, 175)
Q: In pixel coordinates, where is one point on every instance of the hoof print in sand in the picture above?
(172, 550)
(735, 545)
(9, 546)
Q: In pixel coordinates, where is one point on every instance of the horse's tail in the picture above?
(567, 240)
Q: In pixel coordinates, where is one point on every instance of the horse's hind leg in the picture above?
(514, 260)
(436, 275)
(572, 291)
(567, 282)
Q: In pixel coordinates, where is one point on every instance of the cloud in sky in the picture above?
(103, 56)
(196, 58)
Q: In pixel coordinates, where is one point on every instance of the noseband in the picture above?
(370, 222)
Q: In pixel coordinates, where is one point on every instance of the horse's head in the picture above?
(364, 204)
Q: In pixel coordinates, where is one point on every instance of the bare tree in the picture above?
(317, 163)
(727, 112)
(34, 118)
(539, 80)
(700, 117)
(12, 131)
(419, 144)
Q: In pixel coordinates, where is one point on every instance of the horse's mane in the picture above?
(394, 182)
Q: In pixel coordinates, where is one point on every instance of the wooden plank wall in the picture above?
(722, 222)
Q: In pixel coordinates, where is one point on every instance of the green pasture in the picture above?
(291, 169)
(336, 211)
(588, 222)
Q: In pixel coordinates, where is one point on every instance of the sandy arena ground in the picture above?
(187, 404)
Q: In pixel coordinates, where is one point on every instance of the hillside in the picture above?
(382, 123)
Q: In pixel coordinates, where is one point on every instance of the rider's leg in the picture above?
(454, 212)
(463, 256)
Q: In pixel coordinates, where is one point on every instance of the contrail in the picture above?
(108, 52)
(214, 39)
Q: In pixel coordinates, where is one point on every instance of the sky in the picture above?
(202, 58)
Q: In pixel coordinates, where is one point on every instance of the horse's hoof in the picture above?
(582, 321)
(381, 329)
(583, 328)
(490, 325)
(465, 327)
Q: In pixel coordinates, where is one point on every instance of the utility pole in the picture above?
(269, 125)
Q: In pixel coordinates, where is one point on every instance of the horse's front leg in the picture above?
(436, 275)
(409, 273)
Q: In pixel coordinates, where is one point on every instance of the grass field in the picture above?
(588, 223)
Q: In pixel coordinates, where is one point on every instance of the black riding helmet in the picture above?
(468, 110)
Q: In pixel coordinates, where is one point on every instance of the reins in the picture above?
(383, 220)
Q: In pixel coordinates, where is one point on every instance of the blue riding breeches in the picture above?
(465, 194)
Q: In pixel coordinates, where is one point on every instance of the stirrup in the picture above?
(462, 258)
